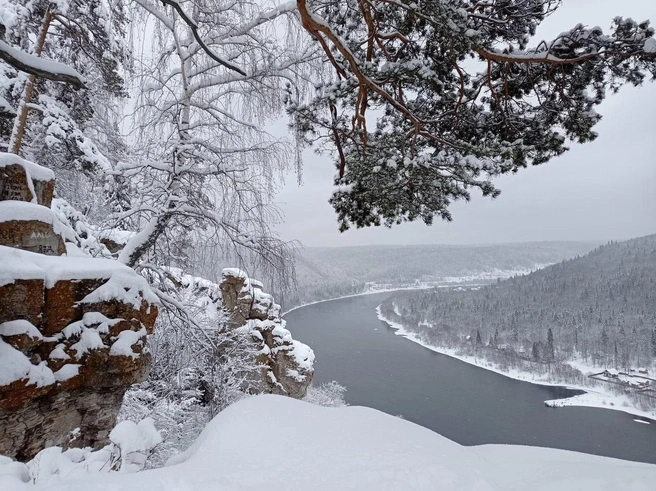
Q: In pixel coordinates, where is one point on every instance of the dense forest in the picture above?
(598, 309)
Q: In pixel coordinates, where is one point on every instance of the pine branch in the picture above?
(48, 69)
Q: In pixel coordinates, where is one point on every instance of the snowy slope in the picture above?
(277, 443)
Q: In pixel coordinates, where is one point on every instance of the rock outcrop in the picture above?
(72, 328)
(287, 365)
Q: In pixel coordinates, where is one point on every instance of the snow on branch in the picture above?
(194, 29)
(444, 128)
(48, 69)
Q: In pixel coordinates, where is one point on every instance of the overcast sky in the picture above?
(601, 190)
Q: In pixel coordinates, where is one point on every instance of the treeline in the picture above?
(328, 272)
(600, 308)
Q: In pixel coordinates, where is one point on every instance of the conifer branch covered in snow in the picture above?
(462, 97)
(33, 65)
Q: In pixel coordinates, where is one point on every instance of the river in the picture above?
(467, 404)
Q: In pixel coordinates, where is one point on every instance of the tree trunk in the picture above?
(18, 131)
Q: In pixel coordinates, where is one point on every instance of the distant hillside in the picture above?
(600, 308)
(324, 272)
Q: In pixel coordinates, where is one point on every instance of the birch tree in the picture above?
(204, 163)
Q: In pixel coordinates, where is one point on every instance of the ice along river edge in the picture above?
(591, 398)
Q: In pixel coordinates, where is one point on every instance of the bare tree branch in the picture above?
(194, 29)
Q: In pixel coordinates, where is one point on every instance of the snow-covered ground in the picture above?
(278, 443)
(593, 397)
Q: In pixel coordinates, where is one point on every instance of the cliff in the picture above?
(287, 365)
(72, 328)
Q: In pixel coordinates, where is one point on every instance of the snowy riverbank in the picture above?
(474, 280)
(371, 291)
(593, 397)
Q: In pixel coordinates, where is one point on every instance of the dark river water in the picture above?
(467, 404)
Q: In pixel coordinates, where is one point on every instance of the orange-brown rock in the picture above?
(33, 236)
(79, 417)
(14, 183)
(286, 365)
(72, 336)
(22, 299)
(61, 303)
(112, 246)
(146, 315)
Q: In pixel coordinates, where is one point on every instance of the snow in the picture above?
(58, 353)
(18, 327)
(97, 318)
(601, 400)
(40, 375)
(135, 437)
(32, 170)
(89, 340)
(124, 342)
(303, 356)
(67, 372)
(38, 63)
(22, 210)
(74, 251)
(233, 272)
(278, 443)
(650, 46)
(14, 366)
(592, 397)
(123, 283)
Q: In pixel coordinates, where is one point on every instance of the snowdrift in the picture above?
(278, 443)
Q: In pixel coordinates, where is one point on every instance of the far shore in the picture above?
(591, 397)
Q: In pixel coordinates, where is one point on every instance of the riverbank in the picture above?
(592, 397)
(371, 291)
(469, 281)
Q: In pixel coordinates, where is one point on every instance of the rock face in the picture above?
(21, 180)
(72, 329)
(287, 364)
(30, 227)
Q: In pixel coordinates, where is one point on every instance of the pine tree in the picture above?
(87, 36)
(535, 351)
(551, 355)
(479, 340)
(515, 332)
(447, 124)
(653, 342)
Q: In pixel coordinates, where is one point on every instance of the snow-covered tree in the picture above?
(203, 163)
(55, 120)
(551, 355)
(457, 95)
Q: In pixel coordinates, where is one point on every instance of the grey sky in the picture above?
(602, 190)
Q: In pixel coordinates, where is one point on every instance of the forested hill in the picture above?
(326, 272)
(600, 307)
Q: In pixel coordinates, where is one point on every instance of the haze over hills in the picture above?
(328, 272)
